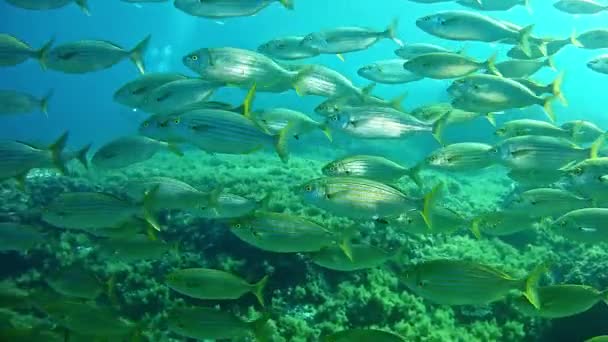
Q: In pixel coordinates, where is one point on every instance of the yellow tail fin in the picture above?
(137, 54)
(258, 289)
(531, 285)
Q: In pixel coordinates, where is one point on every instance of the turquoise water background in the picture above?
(83, 104)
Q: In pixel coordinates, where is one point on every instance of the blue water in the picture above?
(83, 104)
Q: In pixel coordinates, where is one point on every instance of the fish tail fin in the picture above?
(213, 198)
(248, 102)
(57, 152)
(81, 155)
(148, 206)
(84, 6)
(475, 230)
(551, 63)
(295, 82)
(491, 119)
(327, 131)
(282, 143)
(547, 103)
(596, 146)
(574, 39)
(44, 102)
(490, 64)
(289, 4)
(258, 289)
(430, 200)
(524, 39)
(439, 127)
(605, 296)
(531, 285)
(391, 32)
(396, 102)
(340, 57)
(137, 54)
(414, 174)
(42, 53)
(556, 87)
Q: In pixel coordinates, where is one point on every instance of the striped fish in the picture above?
(215, 131)
(169, 193)
(457, 282)
(322, 81)
(373, 122)
(502, 223)
(370, 167)
(541, 152)
(282, 233)
(359, 198)
(94, 212)
(18, 158)
(230, 206)
(16, 102)
(239, 67)
(13, 51)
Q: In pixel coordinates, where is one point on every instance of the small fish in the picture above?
(489, 93)
(75, 282)
(592, 40)
(229, 205)
(16, 102)
(227, 8)
(360, 198)
(495, 5)
(432, 112)
(577, 7)
(19, 237)
(215, 131)
(363, 257)
(441, 220)
(356, 335)
(564, 300)
(333, 105)
(460, 157)
(540, 48)
(322, 81)
(88, 318)
(388, 72)
(205, 283)
(133, 93)
(522, 68)
(93, 212)
(373, 122)
(211, 324)
(583, 225)
(547, 202)
(349, 39)
(599, 64)
(541, 152)
(366, 166)
(176, 95)
(18, 158)
(276, 120)
(168, 193)
(282, 233)
(288, 48)
(583, 131)
(473, 26)
(132, 249)
(238, 67)
(522, 127)
(42, 5)
(92, 55)
(451, 282)
(501, 223)
(13, 51)
(129, 150)
(410, 51)
(441, 65)
(534, 178)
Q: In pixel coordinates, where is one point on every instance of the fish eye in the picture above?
(238, 226)
(335, 118)
(145, 124)
(409, 220)
(194, 58)
(578, 171)
(308, 188)
(176, 121)
(333, 168)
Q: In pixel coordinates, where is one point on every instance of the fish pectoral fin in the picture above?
(337, 194)
(199, 128)
(521, 153)
(604, 179)
(587, 229)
